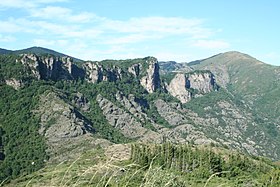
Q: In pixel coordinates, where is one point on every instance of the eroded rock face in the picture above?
(128, 125)
(183, 130)
(178, 88)
(181, 85)
(135, 69)
(94, 72)
(81, 102)
(131, 105)
(151, 81)
(120, 119)
(16, 84)
(59, 120)
(50, 67)
(203, 82)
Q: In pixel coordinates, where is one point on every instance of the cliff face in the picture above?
(151, 81)
(183, 86)
(95, 72)
(178, 88)
(50, 67)
(203, 82)
(62, 68)
(135, 69)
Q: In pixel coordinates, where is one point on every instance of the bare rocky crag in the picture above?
(201, 82)
(151, 81)
(51, 67)
(68, 132)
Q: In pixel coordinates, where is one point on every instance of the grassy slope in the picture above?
(100, 168)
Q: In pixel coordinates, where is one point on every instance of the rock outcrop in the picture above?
(131, 105)
(65, 129)
(178, 88)
(135, 69)
(50, 67)
(96, 73)
(16, 84)
(183, 86)
(81, 102)
(121, 119)
(183, 129)
(60, 120)
(203, 82)
(151, 81)
(128, 125)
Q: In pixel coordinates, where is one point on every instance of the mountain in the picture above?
(248, 78)
(5, 51)
(55, 109)
(37, 51)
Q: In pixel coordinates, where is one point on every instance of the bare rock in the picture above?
(151, 81)
(81, 102)
(178, 88)
(59, 120)
(203, 82)
(50, 67)
(16, 84)
(94, 72)
(135, 69)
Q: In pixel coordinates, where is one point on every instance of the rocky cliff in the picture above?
(178, 88)
(151, 81)
(184, 86)
(203, 82)
(51, 67)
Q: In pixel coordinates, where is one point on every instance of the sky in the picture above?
(179, 30)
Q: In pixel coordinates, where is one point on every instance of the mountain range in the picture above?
(55, 107)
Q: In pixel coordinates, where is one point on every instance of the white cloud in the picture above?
(50, 43)
(211, 44)
(26, 4)
(131, 38)
(61, 13)
(162, 25)
(88, 36)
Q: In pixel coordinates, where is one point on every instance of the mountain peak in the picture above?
(237, 55)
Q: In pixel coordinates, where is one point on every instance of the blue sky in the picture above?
(180, 30)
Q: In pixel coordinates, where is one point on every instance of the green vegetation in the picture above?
(10, 68)
(156, 165)
(19, 131)
(167, 77)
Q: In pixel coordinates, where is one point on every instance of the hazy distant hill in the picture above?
(35, 50)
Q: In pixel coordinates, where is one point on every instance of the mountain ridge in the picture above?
(140, 100)
(36, 50)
